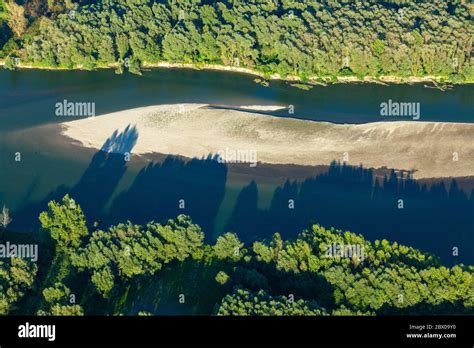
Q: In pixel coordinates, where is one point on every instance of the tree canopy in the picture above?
(307, 38)
(320, 272)
(16, 278)
(65, 223)
(128, 250)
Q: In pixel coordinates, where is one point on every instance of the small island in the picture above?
(198, 130)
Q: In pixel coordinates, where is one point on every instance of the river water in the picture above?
(438, 215)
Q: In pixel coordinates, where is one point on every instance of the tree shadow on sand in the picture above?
(96, 185)
(160, 191)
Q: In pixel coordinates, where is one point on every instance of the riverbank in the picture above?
(427, 149)
(312, 80)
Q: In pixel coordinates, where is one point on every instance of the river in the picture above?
(438, 216)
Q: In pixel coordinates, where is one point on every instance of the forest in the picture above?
(308, 39)
(172, 268)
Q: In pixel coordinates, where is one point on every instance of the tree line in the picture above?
(308, 38)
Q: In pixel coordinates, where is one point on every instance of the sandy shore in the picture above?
(193, 130)
(262, 107)
(389, 79)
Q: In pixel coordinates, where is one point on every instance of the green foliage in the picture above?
(128, 250)
(305, 38)
(55, 294)
(15, 15)
(378, 47)
(222, 278)
(387, 278)
(228, 246)
(134, 66)
(243, 302)
(121, 41)
(301, 276)
(16, 278)
(10, 63)
(103, 279)
(59, 302)
(3, 9)
(69, 310)
(5, 32)
(10, 48)
(65, 223)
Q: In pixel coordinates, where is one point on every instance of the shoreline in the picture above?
(313, 80)
(195, 131)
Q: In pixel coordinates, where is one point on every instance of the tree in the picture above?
(16, 277)
(35, 8)
(16, 18)
(103, 280)
(222, 278)
(11, 63)
(134, 66)
(126, 251)
(228, 246)
(378, 47)
(65, 223)
(121, 41)
(60, 302)
(5, 217)
(311, 43)
(243, 302)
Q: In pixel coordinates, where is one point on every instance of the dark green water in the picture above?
(251, 202)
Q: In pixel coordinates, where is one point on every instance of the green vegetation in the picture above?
(3, 10)
(243, 302)
(58, 301)
(132, 269)
(127, 250)
(16, 277)
(65, 223)
(4, 29)
(306, 38)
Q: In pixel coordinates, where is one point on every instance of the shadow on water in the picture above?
(163, 191)
(103, 175)
(433, 218)
(96, 185)
(160, 191)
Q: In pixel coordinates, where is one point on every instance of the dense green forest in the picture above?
(5, 32)
(170, 268)
(305, 38)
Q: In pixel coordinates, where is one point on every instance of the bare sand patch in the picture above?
(193, 130)
(262, 107)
